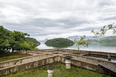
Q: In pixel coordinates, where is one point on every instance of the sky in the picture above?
(47, 19)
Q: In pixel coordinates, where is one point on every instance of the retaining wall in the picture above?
(29, 62)
(23, 60)
(25, 66)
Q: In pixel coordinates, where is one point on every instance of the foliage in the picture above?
(81, 42)
(59, 71)
(5, 39)
(18, 39)
(59, 42)
(15, 40)
(105, 41)
(34, 41)
(103, 30)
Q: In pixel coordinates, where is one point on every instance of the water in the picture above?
(92, 47)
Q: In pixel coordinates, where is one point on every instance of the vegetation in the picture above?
(103, 30)
(10, 57)
(59, 71)
(105, 41)
(33, 41)
(81, 42)
(59, 42)
(15, 40)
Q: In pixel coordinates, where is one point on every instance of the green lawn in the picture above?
(5, 58)
(59, 71)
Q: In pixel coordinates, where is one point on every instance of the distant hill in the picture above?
(108, 39)
(87, 37)
(99, 39)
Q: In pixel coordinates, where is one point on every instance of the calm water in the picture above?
(94, 47)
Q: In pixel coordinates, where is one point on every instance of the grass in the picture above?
(59, 71)
(5, 58)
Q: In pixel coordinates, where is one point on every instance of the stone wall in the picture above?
(83, 52)
(41, 58)
(25, 66)
(45, 61)
(94, 61)
(23, 60)
(80, 51)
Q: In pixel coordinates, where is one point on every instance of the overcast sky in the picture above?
(56, 18)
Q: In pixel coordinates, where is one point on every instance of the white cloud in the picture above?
(56, 18)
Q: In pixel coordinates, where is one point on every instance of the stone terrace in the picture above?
(43, 57)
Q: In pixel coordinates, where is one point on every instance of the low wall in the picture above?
(25, 66)
(111, 65)
(29, 62)
(22, 60)
(80, 51)
(83, 52)
(87, 66)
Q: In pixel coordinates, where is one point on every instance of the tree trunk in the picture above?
(12, 50)
(78, 49)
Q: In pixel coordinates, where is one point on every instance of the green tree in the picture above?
(18, 37)
(5, 39)
(25, 46)
(36, 43)
(81, 42)
(16, 40)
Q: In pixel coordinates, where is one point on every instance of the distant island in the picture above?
(59, 42)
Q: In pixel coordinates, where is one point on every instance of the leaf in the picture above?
(104, 26)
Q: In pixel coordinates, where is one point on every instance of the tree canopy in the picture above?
(59, 42)
(32, 42)
(15, 40)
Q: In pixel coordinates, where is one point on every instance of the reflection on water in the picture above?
(43, 46)
(92, 47)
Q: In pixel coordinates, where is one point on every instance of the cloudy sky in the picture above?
(56, 18)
